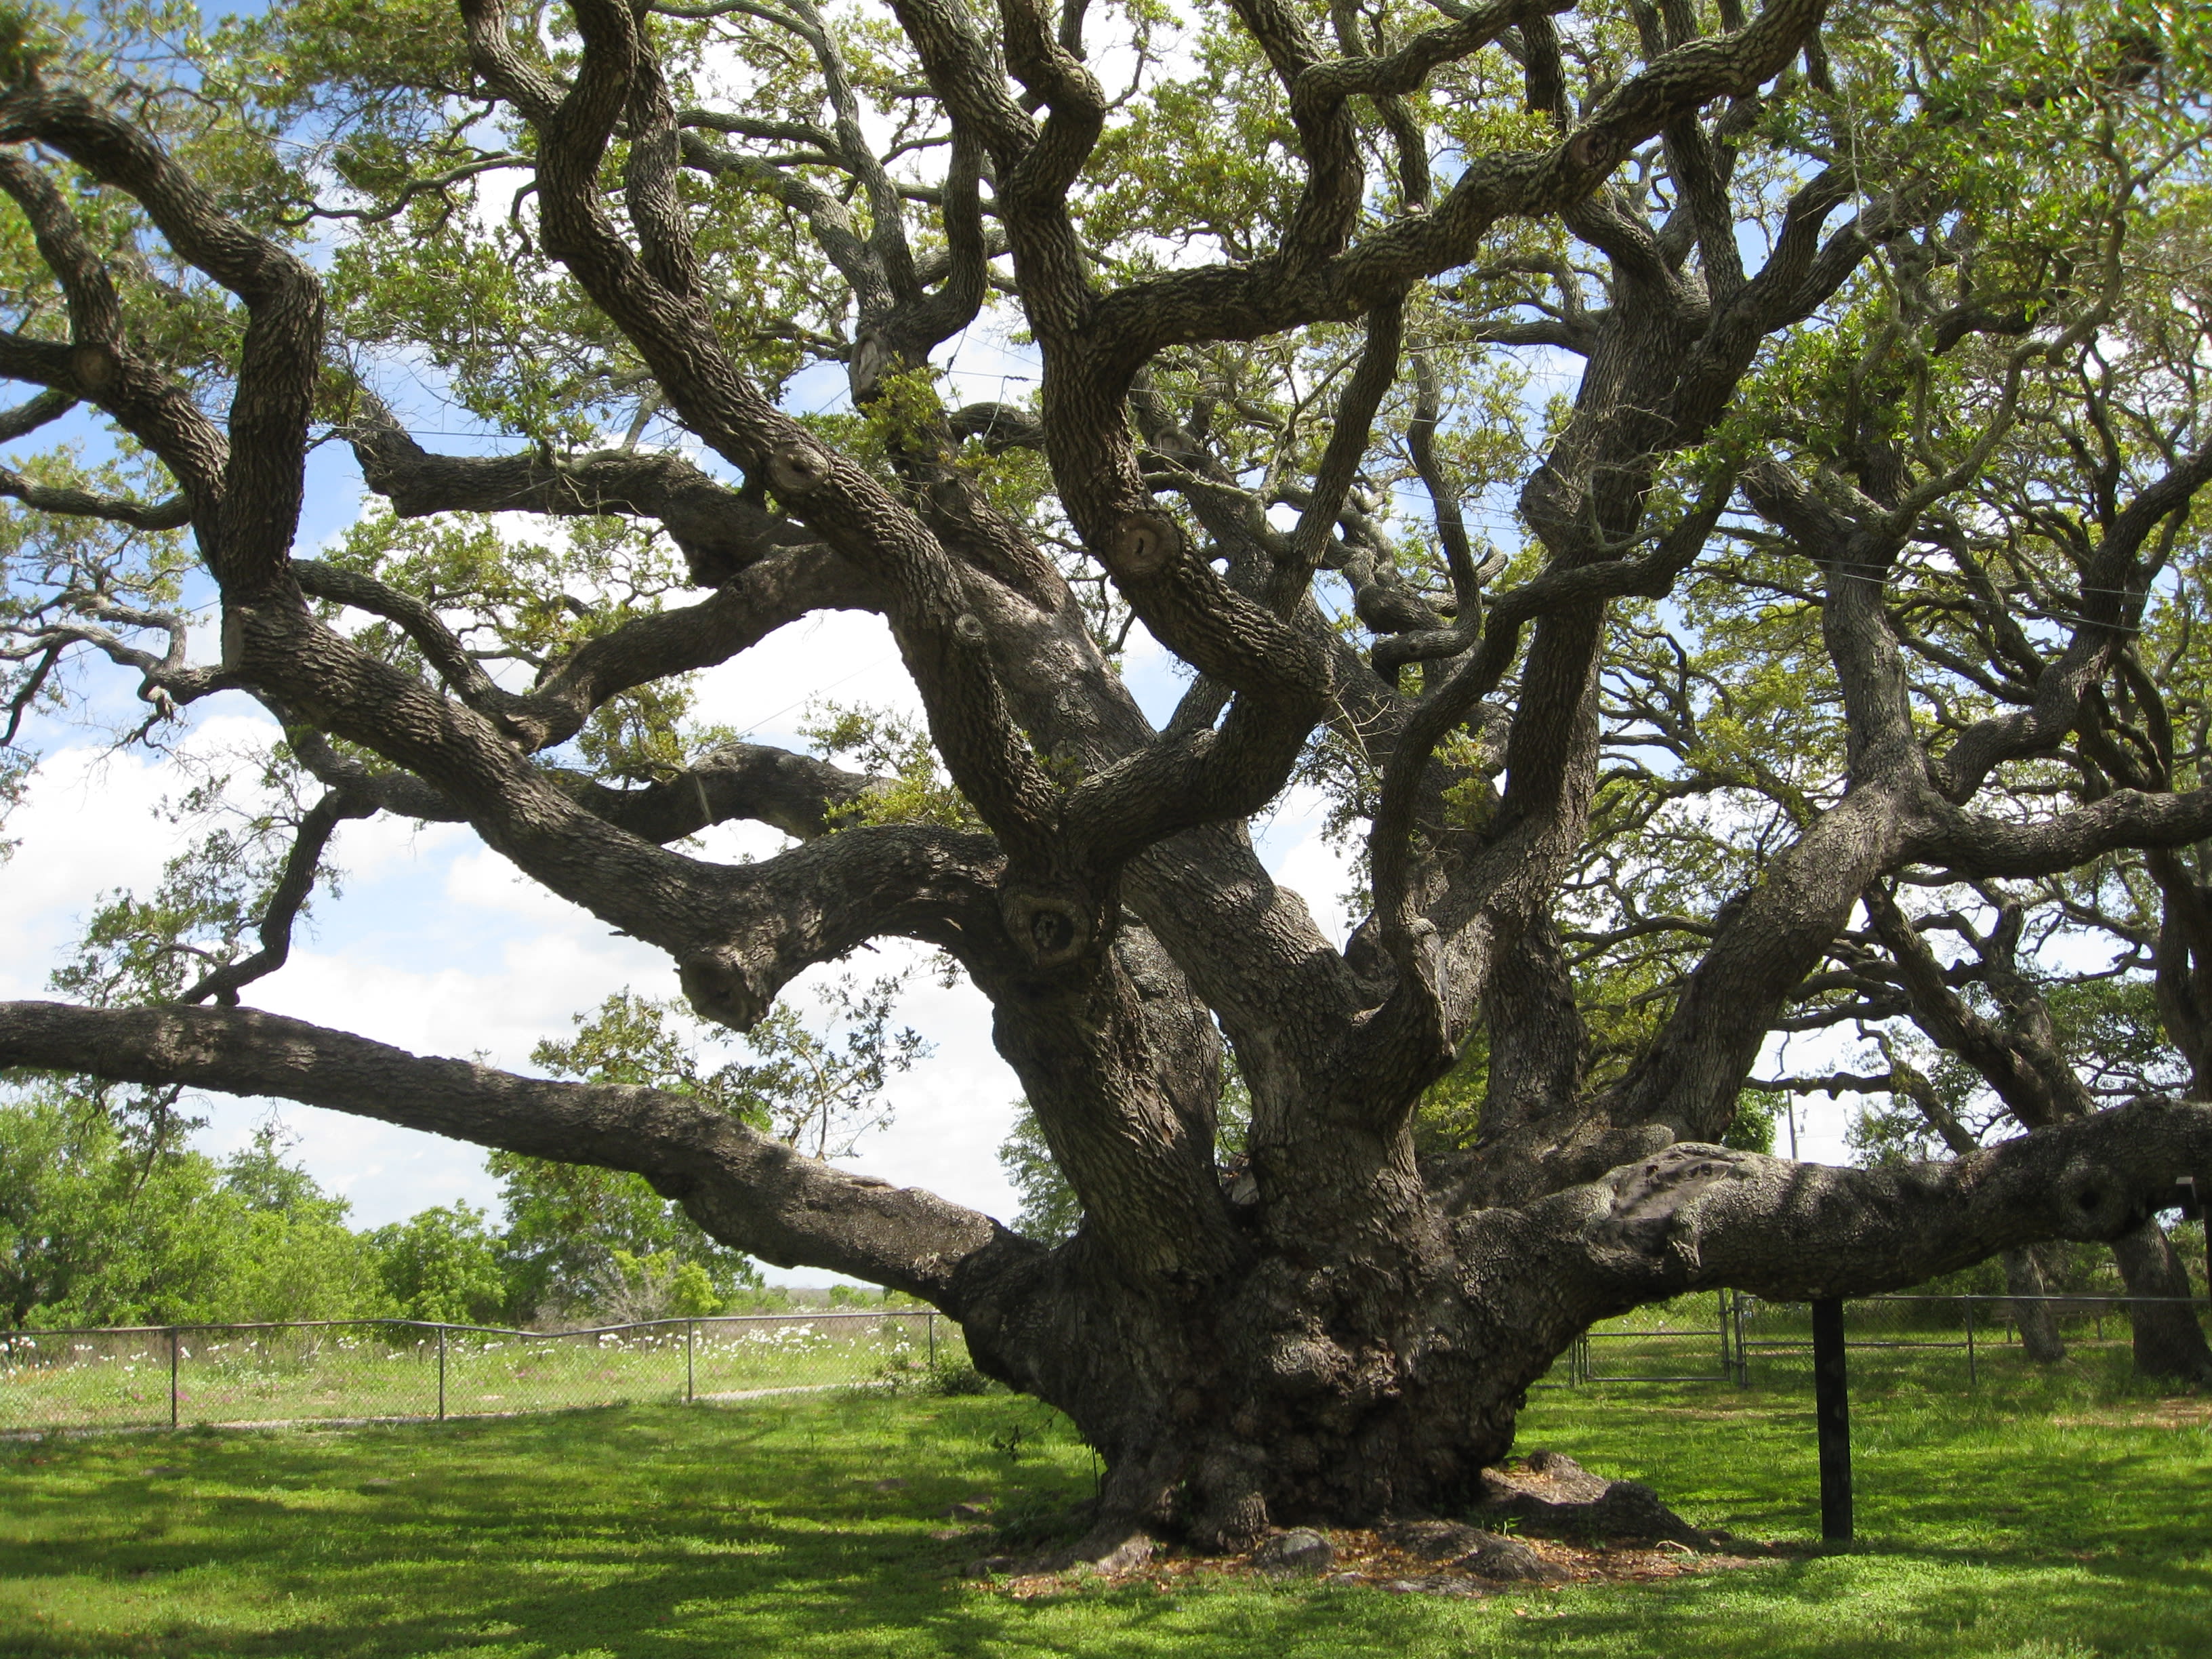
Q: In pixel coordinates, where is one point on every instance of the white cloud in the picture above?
(374, 847)
(955, 1106)
(90, 823)
(844, 656)
(1291, 843)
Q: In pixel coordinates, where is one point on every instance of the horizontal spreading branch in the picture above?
(752, 1193)
(1833, 1085)
(1689, 1218)
(1970, 845)
(777, 590)
(1697, 1216)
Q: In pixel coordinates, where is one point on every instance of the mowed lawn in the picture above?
(2032, 1517)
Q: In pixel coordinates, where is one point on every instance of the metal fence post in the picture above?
(2200, 1186)
(690, 1341)
(932, 1339)
(442, 1373)
(1972, 1379)
(1831, 1414)
(172, 1376)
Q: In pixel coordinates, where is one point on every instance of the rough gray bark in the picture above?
(2039, 1327)
(2168, 1340)
(1349, 1333)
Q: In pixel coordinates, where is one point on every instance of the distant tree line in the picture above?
(97, 1230)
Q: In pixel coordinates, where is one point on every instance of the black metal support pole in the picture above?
(932, 1340)
(1831, 1413)
(2201, 1185)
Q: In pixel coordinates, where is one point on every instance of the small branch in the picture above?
(173, 514)
(301, 865)
(794, 793)
(1834, 1084)
(414, 187)
(29, 417)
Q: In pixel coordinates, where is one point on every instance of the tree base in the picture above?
(1547, 1496)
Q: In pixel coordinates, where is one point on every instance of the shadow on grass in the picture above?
(809, 1529)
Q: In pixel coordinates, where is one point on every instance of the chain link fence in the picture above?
(175, 1377)
(1739, 1339)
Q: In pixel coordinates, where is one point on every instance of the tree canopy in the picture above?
(1713, 496)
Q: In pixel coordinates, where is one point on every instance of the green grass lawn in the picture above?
(2033, 1516)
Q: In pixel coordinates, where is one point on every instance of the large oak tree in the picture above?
(1838, 604)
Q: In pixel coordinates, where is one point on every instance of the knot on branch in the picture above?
(1051, 929)
(1595, 150)
(797, 467)
(236, 619)
(723, 989)
(95, 367)
(1650, 1213)
(874, 361)
(1142, 544)
(2095, 1202)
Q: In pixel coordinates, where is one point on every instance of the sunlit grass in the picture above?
(2036, 1516)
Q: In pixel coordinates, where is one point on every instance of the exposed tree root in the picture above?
(1547, 1520)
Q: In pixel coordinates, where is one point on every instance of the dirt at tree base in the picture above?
(1366, 1559)
(1548, 1524)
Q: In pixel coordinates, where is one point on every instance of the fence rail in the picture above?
(172, 1375)
(1740, 1340)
